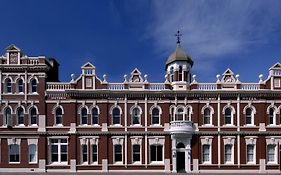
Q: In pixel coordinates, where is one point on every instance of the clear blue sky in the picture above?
(119, 35)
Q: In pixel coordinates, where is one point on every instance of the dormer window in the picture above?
(88, 71)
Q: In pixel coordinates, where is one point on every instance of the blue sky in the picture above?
(119, 35)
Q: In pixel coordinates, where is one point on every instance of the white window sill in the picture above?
(156, 126)
(95, 125)
(118, 163)
(33, 93)
(206, 163)
(33, 126)
(14, 162)
(157, 163)
(229, 163)
(272, 163)
(58, 163)
(59, 125)
(229, 125)
(136, 125)
(136, 163)
(250, 125)
(116, 126)
(207, 125)
(251, 163)
(32, 163)
(20, 126)
(84, 163)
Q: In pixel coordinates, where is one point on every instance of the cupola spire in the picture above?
(178, 35)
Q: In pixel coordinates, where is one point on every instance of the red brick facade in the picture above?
(89, 124)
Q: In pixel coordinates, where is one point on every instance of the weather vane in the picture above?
(178, 35)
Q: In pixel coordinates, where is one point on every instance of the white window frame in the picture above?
(18, 86)
(14, 141)
(30, 116)
(232, 110)
(211, 114)
(55, 115)
(33, 85)
(229, 140)
(7, 119)
(251, 140)
(136, 141)
(274, 115)
(58, 144)
(6, 86)
(82, 116)
(18, 116)
(118, 140)
(120, 115)
(33, 142)
(157, 141)
(272, 141)
(277, 83)
(137, 116)
(207, 140)
(96, 116)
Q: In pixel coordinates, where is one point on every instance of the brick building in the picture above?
(89, 124)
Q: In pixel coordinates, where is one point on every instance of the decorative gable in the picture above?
(136, 76)
(275, 66)
(228, 77)
(13, 54)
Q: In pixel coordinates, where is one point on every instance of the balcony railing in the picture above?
(181, 127)
(156, 86)
(277, 72)
(116, 86)
(58, 86)
(207, 86)
(250, 86)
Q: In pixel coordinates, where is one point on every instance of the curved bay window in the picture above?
(116, 116)
(180, 114)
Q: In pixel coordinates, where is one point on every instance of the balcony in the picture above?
(181, 127)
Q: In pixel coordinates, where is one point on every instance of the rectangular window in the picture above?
(14, 153)
(118, 153)
(84, 150)
(206, 153)
(136, 153)
(59, 150)
(270, 153)
(32, 149)
(250, 153)
(227, 153)
(156, 153)
(94, 153)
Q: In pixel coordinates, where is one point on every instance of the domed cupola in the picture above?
(178, 66)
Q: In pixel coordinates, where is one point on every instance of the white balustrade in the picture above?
(58, 86)
(207, 86)
(250, 86)
(32, 61)
(181, 127)
(116, 86)
(156, 86)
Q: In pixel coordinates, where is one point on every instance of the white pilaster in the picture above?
(104, 165)
(25, 85)
(238, 129)
(42, 123)
(219, 137)
(188, 156)
(174, 154)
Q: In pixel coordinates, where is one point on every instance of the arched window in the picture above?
(58, 116)
(271, 116)
(228, 116)
(180, 73)
(84, 116)
(20, 116)
(33, 116)
(207, 116)
(136, 116)
(155, 116)
(172, 74)
(188, 114)
(33, 86)
(116, 116)
(249, 116)
(8, 85)
(20, 86)
(95, 116)
(172, 113)
(180, 114)
(8, 117)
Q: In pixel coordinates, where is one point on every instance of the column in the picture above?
(174, 153)
(187, 156)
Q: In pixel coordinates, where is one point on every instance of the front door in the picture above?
(180, 161)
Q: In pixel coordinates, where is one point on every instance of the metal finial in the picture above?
(178, 35)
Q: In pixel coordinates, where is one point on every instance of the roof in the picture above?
(179, 55)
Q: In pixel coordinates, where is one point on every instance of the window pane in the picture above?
(155, 116)
(136, 153)
(14, 153)
(271, 153)
(33, 86)
(84, 153)
(207, 116)
(228, 153)
(250, 153)
(206, 153)
(33, 116)
(95, 116)
(32, 153)
(94, 153)
(159, 153)
(20, 116)
(153, 153)
(118, 153)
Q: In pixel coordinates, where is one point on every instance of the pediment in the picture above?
(136, 76)
(12, 47)
(88, 65)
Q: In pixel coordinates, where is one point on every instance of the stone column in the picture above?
(188, 156)
(174, 154)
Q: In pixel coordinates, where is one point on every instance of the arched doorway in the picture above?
(180, 158)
